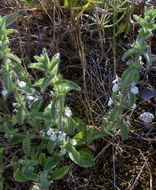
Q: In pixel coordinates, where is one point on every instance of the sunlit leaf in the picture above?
(83, 157)
(59, 173)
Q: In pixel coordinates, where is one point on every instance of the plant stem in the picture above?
(114, 38)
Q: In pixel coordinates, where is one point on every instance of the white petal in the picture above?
(21, 84)
(134, 106)
(53, 137)
(30, 97)
(68, 112)
(146, 117)
(49, 132)
(115, 88)
(35, 187)
(49, 106)
(73, 142)
(61, 137)
(115, 80)
(4, 92)
(110, 102)
(63, 151)
(134, 90)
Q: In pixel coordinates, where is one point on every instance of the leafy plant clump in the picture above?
(125, 89)
(42, 125)
(38, 118)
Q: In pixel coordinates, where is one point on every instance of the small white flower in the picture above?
(73, 142)
(35, 187)
(14, 105)
(30, 97)
(4, 92)
(140, 58)
(134, 90)
(116, 80)
(63, 151)
(15, 110)
(53, 137)
(49, 132)
(146, 117)
(115, 88)
(49, 106)
(62, 137)
(21, 84)
(110, 102)
(51, 182)
(134, 106)
(141, 62)
(68, 112)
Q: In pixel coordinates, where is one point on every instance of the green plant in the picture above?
(125, 89)
(38, 119)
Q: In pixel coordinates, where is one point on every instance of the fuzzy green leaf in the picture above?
(52, 162)
(59, 173)
(124, 131)
(83, 157)
(26, 145)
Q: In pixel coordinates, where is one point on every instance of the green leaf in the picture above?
(132, 99)
(148, 58)
(9, 31)
(54, 63)
(83, 157)
(20, 115)
(139, 19)
(46, 83)
(11, 18)
(43, 180)
(50, 146)
(80, 137)
(127, 76)
(40, 116)
(31, 4)
(7, 84)
(26, 145)
(54, 108)
(18, 175)
(52, 162)
(28, 175)
(35, 105)
(65, 86)
(129, 53)
(17, 138)
(1, 183)
(39, 82)
(42, 159)
(70, 126)
(59, 172)
(124, 131)
(14, 58)
(37, 66)
(115, 112)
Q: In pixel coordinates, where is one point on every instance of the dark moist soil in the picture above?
(120, 165)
